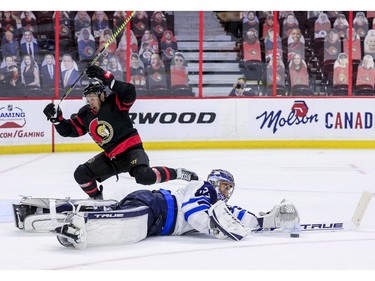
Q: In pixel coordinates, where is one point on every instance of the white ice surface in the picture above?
(325, 185)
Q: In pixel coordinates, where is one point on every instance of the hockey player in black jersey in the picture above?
(106, 119)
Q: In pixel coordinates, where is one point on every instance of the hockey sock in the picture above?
(164, 174)
(91, 188)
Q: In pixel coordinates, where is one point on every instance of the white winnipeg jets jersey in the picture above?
(193, 202)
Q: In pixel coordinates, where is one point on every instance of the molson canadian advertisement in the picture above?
(190, 123)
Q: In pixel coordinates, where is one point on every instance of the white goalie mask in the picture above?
(223, 181)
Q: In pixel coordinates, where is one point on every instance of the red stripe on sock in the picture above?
(167, 174)
(158, 176)
(91, 190)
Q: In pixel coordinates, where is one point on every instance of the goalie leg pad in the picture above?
(31, 218)
(32, 211)
(45, 203)
(105, 228)
(45, 214)
(222, 222)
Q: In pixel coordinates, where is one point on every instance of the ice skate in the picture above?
(100, 195)
(183, 174)
(67, 235)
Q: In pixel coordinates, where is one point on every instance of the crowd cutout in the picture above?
(312, 50)
(28, 63)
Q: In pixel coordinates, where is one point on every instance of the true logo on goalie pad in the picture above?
(119, 227)
(103, 216)
(117, 214)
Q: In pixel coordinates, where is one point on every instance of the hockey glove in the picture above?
(94, 71)
(53, 115)
(223, 223)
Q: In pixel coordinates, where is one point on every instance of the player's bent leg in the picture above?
(96, 169)
(155, 202)
(147, 176)
(137, 163)
(104, 228)
(150, 175)
(86, 180)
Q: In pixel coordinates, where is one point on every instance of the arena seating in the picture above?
(223, 54)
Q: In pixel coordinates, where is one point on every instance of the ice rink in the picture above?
(325, 185)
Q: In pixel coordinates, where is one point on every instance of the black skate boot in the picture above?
(183, 174)
(99, 195)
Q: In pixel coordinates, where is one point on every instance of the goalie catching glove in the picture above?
(283, 215)
(105, 76)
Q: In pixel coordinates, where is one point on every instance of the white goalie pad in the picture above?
(45, 203)
(45, 214)
(39, 214)
(222, 222)
(106, 228)
(42, 222)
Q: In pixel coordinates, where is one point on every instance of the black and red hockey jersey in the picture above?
(111, 128)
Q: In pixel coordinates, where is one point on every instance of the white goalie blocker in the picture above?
(223, 224)
(104, 228)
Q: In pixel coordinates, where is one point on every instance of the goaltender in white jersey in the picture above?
(198, 206)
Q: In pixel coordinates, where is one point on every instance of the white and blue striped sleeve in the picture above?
(196, 207)
(248, 219)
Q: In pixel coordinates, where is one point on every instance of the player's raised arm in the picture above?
(65, 127)
(125, 91)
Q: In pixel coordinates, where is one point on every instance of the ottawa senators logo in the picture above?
(64, 30)
(140, 26)
(101, 131)
(342, 77)
(9, 27)
(169, 52)
(156, 77)
(88, 51)
(332, 50)
(159, 29)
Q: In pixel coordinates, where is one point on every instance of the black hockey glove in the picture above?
(51, 113)
(94, 71)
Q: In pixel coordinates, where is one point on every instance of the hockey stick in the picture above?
(127, 20)
(335, 225)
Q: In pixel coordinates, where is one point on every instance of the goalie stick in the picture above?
(334, 225)
(121, 27)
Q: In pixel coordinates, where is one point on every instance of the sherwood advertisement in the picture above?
(188, 120)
